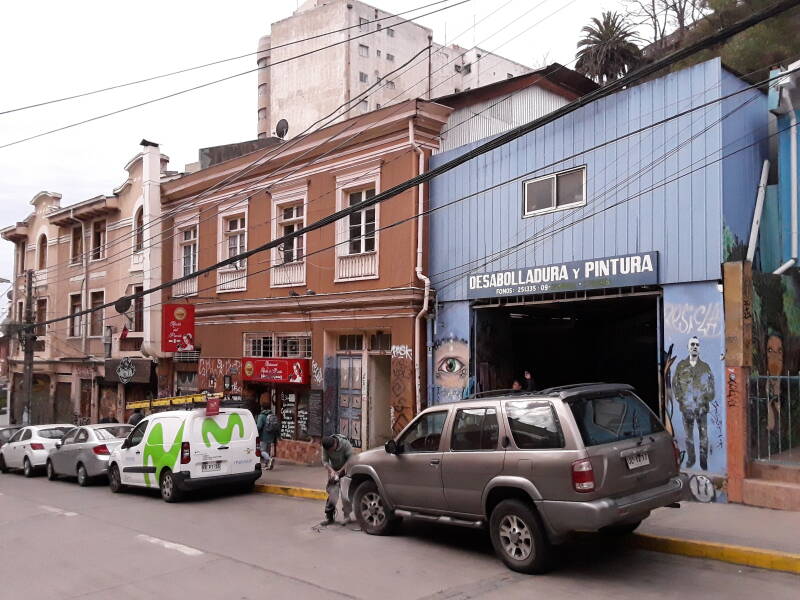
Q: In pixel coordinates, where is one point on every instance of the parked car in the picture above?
(533, 467)
(28, 448)
(7, 432)
(83, 452)
(178, 451)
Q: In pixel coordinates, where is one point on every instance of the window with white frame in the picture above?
(363, 77)
(294, 346)
(363, 24)
(188, 243)
(290, 219)
(258, 344)
(138, 227)
(554, 192)
(235, 238)
(74, 319)
(98, 240)
(361, 224)
(363, 50)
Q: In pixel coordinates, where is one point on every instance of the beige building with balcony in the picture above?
(82, 256)
(300, 82)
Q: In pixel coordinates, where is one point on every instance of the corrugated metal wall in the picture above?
(660, 189)
(495, 116)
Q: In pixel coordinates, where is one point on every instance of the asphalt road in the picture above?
(58, 540)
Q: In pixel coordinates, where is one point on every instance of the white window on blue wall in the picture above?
(558, 191)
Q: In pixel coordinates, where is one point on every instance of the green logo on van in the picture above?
(161, 458)
(223, 435)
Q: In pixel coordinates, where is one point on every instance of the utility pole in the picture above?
(28, 339)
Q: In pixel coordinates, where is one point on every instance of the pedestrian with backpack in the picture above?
(268, 427)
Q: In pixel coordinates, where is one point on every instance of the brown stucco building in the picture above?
(328, 329)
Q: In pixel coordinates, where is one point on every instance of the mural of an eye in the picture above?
(451, 364)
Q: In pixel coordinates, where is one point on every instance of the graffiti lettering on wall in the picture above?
(316, 373)
(695, 387)
(401, 410)
(401, 351)
(687, 318)
(732, 388)
(211, 374)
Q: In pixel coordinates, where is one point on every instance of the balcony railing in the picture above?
(185, 288)
(357, 266)
(231, 280)
(289, 274)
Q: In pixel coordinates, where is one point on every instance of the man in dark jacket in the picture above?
(336, 453)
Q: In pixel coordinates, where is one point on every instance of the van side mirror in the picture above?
(390, 447)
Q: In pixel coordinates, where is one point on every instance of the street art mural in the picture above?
(694, 378)
(451, 377)
(775, 385)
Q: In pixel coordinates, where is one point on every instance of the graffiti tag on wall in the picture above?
(211, 374)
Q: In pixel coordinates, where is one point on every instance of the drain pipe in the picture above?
(418, 269)
(793, 178)
(762, 190)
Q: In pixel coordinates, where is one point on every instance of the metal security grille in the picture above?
(775, 419)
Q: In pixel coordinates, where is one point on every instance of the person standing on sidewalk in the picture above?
(268, 427)
(336, 453)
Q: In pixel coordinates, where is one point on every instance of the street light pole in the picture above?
(28, 338)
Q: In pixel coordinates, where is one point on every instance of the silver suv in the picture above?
(534, 467)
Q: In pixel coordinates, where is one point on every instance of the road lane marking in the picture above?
(58, 511)
(188, 551)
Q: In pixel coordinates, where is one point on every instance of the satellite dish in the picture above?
(122, 305)
(282, 128)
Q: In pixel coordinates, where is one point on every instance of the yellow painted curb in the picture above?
(737, 555)
(295, 492)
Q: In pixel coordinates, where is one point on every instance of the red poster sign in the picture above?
(212, 407)
(276, 370)
(177, 331)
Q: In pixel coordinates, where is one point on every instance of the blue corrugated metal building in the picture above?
(539, 251)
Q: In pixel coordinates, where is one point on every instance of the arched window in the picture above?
(138, 244)
(42, 252)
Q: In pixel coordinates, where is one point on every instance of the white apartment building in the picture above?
(308, 88)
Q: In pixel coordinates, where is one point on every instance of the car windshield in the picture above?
(54, 433)
(113, 433)
(612, 418)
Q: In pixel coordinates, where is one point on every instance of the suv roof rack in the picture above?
(571, 386)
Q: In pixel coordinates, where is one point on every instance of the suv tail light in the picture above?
(677, 452)
(185, 453)
(583, 476)
(258, 447)
(101, 450)
(37, 446)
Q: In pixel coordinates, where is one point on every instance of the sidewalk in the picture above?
(757, 537)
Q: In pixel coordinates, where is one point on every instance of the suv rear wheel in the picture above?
(518, 537)
(372, 514)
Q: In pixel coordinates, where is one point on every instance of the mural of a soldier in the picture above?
(693, 386)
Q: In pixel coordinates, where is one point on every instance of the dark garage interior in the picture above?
(612, 340)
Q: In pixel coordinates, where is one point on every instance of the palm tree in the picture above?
(607, 51)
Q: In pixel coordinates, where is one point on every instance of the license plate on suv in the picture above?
(215, 465)
(640, 459)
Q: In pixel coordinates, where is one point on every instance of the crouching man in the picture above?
(336, 453)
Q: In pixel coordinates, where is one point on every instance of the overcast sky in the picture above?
(52, 49)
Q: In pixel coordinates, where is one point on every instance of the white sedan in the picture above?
(29, 447)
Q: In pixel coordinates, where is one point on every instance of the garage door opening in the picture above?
(611, 340)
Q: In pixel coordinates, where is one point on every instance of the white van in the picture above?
(182, 450)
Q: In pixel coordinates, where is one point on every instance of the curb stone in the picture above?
(759, 558)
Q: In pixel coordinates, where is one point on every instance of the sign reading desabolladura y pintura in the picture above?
(610, 272)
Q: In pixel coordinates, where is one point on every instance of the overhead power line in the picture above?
(484, 148)
(222, 60)
(206, 84)
(460, 199)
